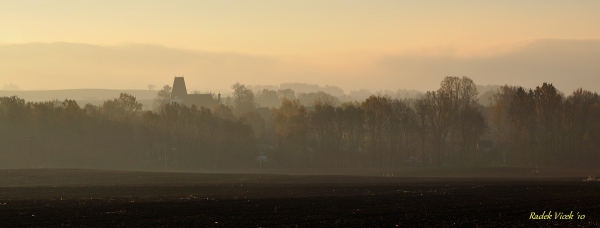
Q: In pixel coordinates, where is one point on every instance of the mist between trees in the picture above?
(447, 127)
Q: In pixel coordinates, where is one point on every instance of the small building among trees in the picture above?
(180, 95)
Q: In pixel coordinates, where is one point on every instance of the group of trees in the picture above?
(273, 99)
(119, 135)
(543, 127)
(442, 127)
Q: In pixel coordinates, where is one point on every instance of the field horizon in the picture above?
(64, 177)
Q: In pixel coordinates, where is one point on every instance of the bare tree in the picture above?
(243, 99)
(163, 97)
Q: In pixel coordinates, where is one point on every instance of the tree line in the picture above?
(118, 135)
(543, 127)
(441, 128)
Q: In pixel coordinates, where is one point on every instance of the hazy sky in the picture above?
(325, 42)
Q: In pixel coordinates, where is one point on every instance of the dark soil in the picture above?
(84, 198)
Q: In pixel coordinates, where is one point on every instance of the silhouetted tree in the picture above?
(124, 107)
(223, 112)
(243, 99)
(549, 108)
(286, 94)
(162, 97)
(268, 98)
(522, 117)
(290, 123)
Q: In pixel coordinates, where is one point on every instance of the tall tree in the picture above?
(522, 118)
(353, 119)
(500, 104)
(549, 108)
(286, 94)
(124, 107)
(290, 123)
(243, 99)
(579, 123)
(268, 98)
(162, 97)
(460, 96)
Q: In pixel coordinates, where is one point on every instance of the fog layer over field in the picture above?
(520, 127)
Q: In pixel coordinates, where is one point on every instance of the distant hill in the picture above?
(146, 97)
(82, 96)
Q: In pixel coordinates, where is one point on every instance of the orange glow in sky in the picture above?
(336, 38)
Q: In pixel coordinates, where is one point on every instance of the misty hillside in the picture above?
(443, 127)
(77, 94)
(146, 97)
(485, 92)
(82, 96)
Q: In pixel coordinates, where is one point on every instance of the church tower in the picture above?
(180, 96)
(179, 91)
